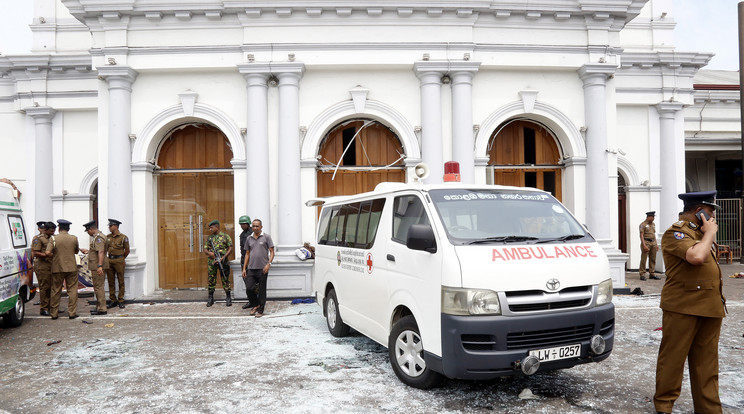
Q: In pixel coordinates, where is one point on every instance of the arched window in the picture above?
(357, 155)
(525, 154)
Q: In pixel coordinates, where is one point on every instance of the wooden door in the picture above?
(187, 203)
(195, 186)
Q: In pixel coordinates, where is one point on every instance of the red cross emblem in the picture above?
(369, 263)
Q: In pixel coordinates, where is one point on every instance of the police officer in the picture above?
(118, 250)
(693, 307)
(97, 264)
(649, 248)
(218, 243)
(42, 266)
(62, 249)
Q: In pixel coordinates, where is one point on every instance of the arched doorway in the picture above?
(366, 154)
(525, 154)
(195, 186)
(622, 215)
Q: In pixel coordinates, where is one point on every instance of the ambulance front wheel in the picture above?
(14, 317)
(336, 325)
(407, 355)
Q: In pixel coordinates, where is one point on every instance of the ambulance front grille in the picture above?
(549, 337)
(538, 300)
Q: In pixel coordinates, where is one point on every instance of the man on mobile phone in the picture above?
(693, 307)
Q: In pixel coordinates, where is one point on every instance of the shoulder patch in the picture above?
(692, 225)
(679, 235)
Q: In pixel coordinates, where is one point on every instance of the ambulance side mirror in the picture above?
(421, 237)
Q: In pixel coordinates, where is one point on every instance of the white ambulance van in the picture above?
(16, 263)
(464, 281)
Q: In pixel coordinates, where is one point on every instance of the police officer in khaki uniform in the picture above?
(693, 307)
(118, 250)
(98, 264)
(63, 249)
(42, 266)
(649, 248)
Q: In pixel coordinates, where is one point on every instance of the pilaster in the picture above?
(43, 160)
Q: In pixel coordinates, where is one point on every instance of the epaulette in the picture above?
(678, 224)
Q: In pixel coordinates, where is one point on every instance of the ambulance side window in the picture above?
(4, 234)
(351, 212)
(351, 225)
(407, 211)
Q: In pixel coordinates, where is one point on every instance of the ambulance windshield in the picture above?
(505, 216)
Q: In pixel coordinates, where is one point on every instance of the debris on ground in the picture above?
(305, 300)
(637, 291)
(527, 394)
(50, 343)
(739, 275)
(658, 329)
(87, 322)
(109, 325)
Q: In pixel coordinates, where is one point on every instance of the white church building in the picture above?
(166, 115)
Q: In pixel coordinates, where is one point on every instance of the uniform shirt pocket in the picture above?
(699, 285)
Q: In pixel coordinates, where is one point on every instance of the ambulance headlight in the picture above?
(456, 301)
(604, 294)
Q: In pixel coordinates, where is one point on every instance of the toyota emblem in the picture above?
(553, 284)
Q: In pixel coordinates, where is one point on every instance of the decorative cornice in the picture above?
(717, 96)
(18, 66)
(669, 60)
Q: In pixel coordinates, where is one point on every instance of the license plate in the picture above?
(560, 352)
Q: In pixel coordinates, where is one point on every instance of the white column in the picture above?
(463, 151)
(257, 143)
(289, 235)
(430, 77)
(597, 172)
(672, 166)
(598, 181)
(42, 116)
(119, 183)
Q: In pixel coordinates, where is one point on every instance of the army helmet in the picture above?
(244, 220)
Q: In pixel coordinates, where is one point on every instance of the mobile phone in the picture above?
(702, 213)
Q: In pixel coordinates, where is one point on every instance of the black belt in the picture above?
(643, 239)
(116, 256)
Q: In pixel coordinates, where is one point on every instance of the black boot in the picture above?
(210, 301)
(228, 299)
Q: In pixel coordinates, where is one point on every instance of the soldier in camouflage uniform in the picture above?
(220, 243)
(42, 266)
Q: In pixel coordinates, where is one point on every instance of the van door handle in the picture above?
(391, 257)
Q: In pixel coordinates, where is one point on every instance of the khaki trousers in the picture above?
(71, 279)
(45, 288)
(99, 289)
(651, 255)
(116, 273)
(694, 338)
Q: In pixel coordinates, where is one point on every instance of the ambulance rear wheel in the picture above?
(407, 355)
(336, 325)
(14, 317)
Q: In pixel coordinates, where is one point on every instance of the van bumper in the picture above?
(485, 347)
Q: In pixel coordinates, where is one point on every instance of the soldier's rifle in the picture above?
(217, 257)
